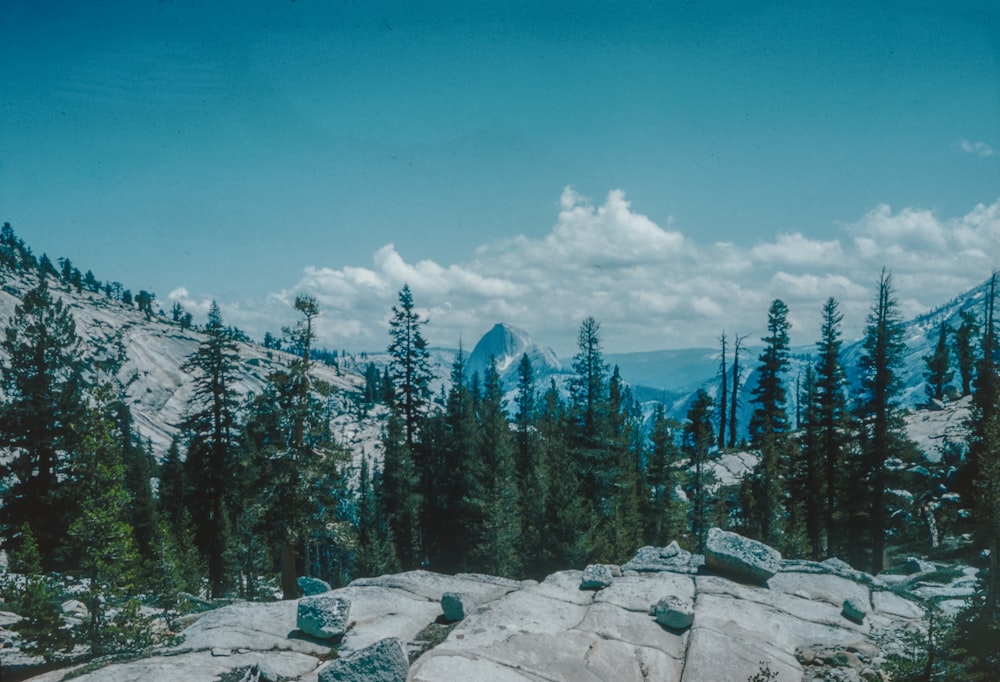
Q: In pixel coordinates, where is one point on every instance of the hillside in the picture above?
(143, 356)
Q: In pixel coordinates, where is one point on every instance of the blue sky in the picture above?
(668, 168)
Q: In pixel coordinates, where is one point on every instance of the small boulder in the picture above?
(456, 606)
(740, 557)
(673, 612)
(383, 661)
(323, 616)
(596, 577)
(915, 565)
(854, 610)
(309, 586)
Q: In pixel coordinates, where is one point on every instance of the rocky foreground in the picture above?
(664, 615)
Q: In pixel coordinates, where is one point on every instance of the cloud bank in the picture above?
(651, 286)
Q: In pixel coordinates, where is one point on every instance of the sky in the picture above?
(668, 168)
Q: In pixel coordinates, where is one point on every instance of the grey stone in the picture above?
(310, 586)
(915, 565)
(596, 577)
(323, 616)
(740, 557)
(456, 606)
(674, 613)
(854, 610)
(383, 661)
(658, 559)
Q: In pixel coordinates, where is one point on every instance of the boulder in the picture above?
(323, 616)
(854, 610)
(658, 559)
(740, 557)
(915, 565)
(673, 612)
(383, 661)
(455, 606)
(596, 577)
(309, 586)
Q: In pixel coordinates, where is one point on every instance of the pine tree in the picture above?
(211, 463)
(43, 399)
(493, 504)
(810, 486)
(401, 495)
(879, 414)
(938, 372)
(103, 540)
(375, 554)
(698, 439)
(409, 367)
(532, 469)
(979, 625)
(665, 522)
(769, 426)
(568, 527)
(964, 347)
(723, 392)
(831, 417)
(734, 399)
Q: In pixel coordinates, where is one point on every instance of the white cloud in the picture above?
(977, 148)
(794, 249)
(650, 285)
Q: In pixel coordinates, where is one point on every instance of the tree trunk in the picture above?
(289, 579)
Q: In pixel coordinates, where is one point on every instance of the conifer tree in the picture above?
(723, 392)
(938, 372)
(882, 434)
(980, 624)
(493, 504)
(810, 486)
(964, 347)
(568, 526)
(375, 555)
(734, 399)
(831, 417)
(533, 470)
(43, 399)
(665, 522)
(401, 493)
(409, 367)
(768, 428)
(698, 439)
(103, 539)
(211, 463)
(623, 440)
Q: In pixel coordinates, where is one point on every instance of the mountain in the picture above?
(142, 356)
(507, 345)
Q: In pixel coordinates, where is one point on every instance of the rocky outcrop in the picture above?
(741, 558)
(383, 661)
(323, 616)
(676, 620)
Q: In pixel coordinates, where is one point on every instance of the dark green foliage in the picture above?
(723, 392)
(401, 489)
(102, 540)
(492, 518)
(828, 425)
(734, 396)
(375, 554)
(768, 432)
(409, 367)
(43, 399)
(879, 416)
(809, 472)
(965, 348)
(211, 464)
(939, 372)
(533, 472)
(698, 439)
(665, 518)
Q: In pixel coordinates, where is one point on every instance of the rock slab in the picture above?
(455, 606)
(596, 577)
(741, 558)
(323, 616)
(309, 586)
(383, 661)
(674, 613)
